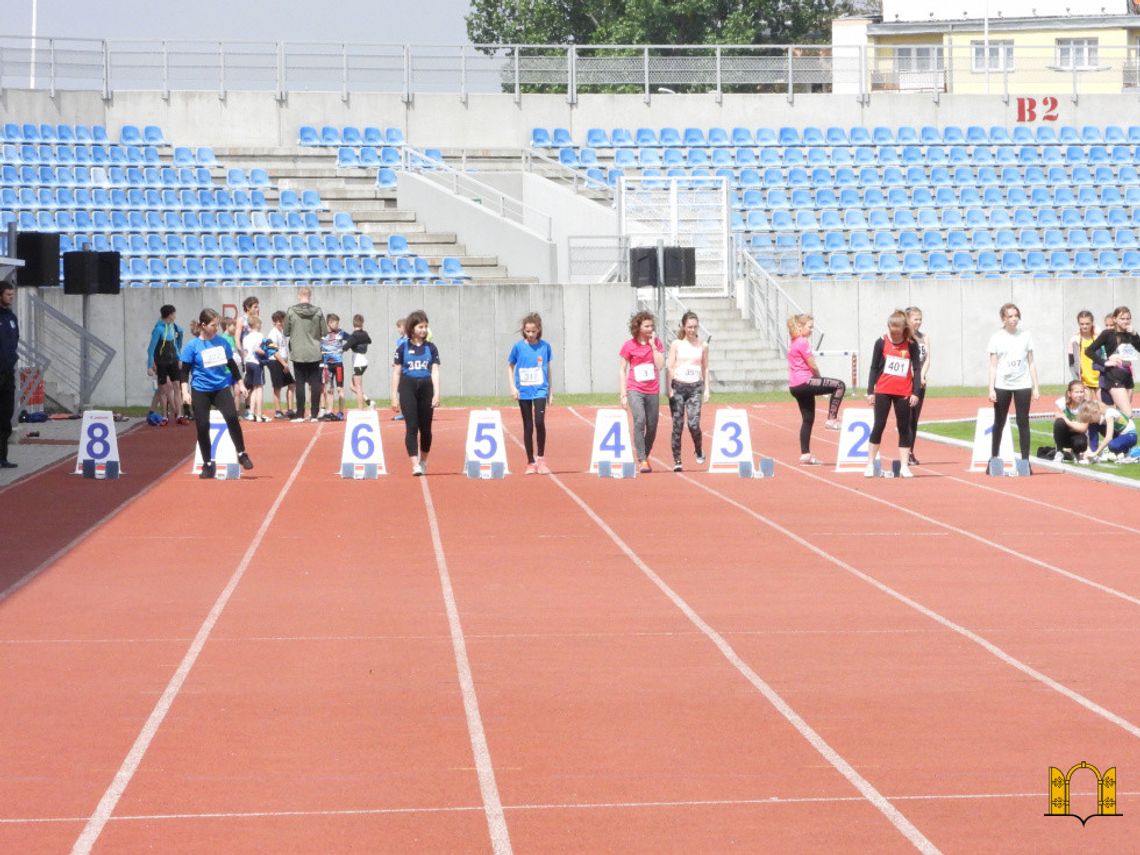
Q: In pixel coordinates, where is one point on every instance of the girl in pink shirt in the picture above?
(642, 358)
(805, 383)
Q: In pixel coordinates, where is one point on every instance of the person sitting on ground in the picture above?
(1071, 436)
(1119, 431)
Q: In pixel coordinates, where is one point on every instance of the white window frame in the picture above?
(919, 58)
(1082, 54)
(1000, 58)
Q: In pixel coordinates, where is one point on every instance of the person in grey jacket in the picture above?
(304, 326)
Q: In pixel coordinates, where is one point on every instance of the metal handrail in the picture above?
(462, 184)
(560, 170)
(767, 304)
(81, 357)
(30, 357)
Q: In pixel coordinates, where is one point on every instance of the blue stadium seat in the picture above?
(1060, 262)
(1130, 260)
(765, 137)
(1029, 239)
(152, 135)
(395, 136)
(694, 137)
(987, 264)
(351, 136)
(645, 137)
(962, 263)
(1109, 262)
(621, 138)
(718, 137)
(1077, 239)
(1084, 262)
(373, 136)
(347, 157)
(539, 138)
(597, 138)
(669, 137)
(1012, 261)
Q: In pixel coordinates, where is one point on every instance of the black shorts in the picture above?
(279, 376)
(358, 370)
(334, 373)
(1117, 377)
(254, 375)
(167, 371)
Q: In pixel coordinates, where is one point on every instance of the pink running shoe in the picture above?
(531, 469)
(543, 469)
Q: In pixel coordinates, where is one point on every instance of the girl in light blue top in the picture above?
(528, 373)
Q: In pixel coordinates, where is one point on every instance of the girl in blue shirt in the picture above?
(415, 388)
(528, 373)
(208, 366)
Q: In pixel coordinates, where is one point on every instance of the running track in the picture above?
(681, 663)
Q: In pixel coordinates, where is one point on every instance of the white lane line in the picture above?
(552, 806)
(892, 814)
(98, 820)
(1044, 679)
(1044, 565)
(43, 565)
(492, 803)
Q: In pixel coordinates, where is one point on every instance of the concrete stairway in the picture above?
(740, 360)
(372, 209)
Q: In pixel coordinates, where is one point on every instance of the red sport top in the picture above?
(897, 377)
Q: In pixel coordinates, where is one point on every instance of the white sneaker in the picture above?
(869, 472)
(417, 470)
(904, 472)
(1059, 457)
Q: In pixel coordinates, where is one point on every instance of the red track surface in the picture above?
(632, 646)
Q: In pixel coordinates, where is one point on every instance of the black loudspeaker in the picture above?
(643, 267)
(108, 280)
(80, 272)
(40, 254)
(680, 267)
(90, 273)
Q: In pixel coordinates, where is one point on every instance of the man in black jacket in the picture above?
(9, 338)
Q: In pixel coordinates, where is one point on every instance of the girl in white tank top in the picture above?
(687, 370)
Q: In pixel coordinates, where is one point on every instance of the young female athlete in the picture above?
(1071, 436)
(1119, 430)
(415, 388)
(1081, 366)
(893, 382)
(687, 374)
(640, 362)
(805, 383)
(1121, 350)
(1013, 377)
(208, 366)
(528, 373)
(914, 319)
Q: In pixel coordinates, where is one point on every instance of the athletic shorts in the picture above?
(358, 370)
(334, 373)
(164, 371)
(1117, 377)
(254, 375)
(279, 376)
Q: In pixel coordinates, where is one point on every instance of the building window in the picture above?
(1077, 53)
(919, 59)
(1000, 56)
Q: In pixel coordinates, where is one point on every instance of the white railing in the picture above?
(462, 184)
(768, 305)
(546, 166)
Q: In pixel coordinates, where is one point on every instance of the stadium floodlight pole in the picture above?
(32, 62)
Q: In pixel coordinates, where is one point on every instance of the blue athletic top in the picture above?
(416, 361)
(331, 351)
(165, 343)
(209, 363)
(532, 369)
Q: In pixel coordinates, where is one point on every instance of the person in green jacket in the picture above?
(304, 326)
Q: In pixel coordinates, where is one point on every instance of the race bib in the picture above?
(212, 357)
(897, 366)
(1014, 368)
(1128, 353)
(530, 376)
(688, 373)
(646, 372)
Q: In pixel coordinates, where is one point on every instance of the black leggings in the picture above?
(1021, 399)
(415, 403)
(7, 408)
(883, 404)
(308, 375)
(915, 412)
(534, 421)
(1064, 437)
(223, 401)
(805, 395)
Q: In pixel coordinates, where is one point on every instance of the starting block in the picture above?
(109, 470)
(890, 472)
(476, 470)
(360, 471)
(767, 468)
(607, 469)
(1020, 468)
(227, 471)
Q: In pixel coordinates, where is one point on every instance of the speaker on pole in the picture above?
(40, 254)
(643, 266)
(109, 268)
(80, 272)
(680, 267)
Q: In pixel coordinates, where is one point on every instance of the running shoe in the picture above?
(417, 469)
(912, 460)
(278, 415)
(244, 460)
(543, 469)
(700, 458)
(677, 466)
(808, 460)
(297, 420)
(869, 472)
(182, 420)
(249, 417)
(833, 424)
(397, 418)
(531, 469)
(645, 468)
(904, 472)
(208, 470)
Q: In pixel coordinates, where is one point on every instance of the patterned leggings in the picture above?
(685, 405)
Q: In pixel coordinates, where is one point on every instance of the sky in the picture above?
(421, 22)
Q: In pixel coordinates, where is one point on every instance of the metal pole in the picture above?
(343, 72)
(84, 359)
(32, 56)
(221, 71)
(986, 43)
(719, 89)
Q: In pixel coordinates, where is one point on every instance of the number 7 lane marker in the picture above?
(102, 814)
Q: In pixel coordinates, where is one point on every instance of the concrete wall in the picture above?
(256, 118)
(474, 328)
(961, 315)
(521, 249)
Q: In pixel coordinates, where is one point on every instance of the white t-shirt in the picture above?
(1012, 359)
(250, 343)
(278, 338)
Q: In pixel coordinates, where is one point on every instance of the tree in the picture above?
(665, 22)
